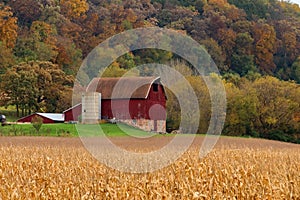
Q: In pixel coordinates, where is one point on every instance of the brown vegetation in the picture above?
(60, 168)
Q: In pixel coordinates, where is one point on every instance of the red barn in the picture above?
(48, 118)
(138, 101)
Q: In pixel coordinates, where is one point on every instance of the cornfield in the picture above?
(61, 168)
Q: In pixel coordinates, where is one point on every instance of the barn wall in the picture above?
(29, 118)
(73, 114)
(147, 114)
(147, 125)
(138, 108)
(158, 96)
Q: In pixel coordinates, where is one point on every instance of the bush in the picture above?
(279, 135)
(37, 123)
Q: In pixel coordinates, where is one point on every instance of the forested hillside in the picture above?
(42, 44)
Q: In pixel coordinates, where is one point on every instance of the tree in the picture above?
(296, 70)
(114, 70)
(278, 101)
(26, 11)
(39, 43)
(170, 17)
(242, 60)
(215, 52)
(254, 8)
(36, 86)
(74, 9)
(7, 58)
(37, 123)
(18, 84)
(69, 57)
(242, 109)
(227, 38)
(287, 50)
(265, 47)
(8, 27)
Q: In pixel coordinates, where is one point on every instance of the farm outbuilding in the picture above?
(72, 114)
(137, 101)
(48, 118)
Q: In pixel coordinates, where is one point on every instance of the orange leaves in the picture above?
(8, 27)
(74, 9)
(265, 38)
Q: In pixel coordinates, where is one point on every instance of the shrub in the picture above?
(37, 123)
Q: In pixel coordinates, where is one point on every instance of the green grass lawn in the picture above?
(70, 130)
(111, 130)
(46, 130)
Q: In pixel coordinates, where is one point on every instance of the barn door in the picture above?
(155, 125)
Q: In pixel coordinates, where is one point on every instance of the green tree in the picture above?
(37, 123)
(37, 86)
(39, 43)
(114, 70)
(296, 70)
(253, 8)
(242, 109)
(18, 84)
(216, 53)
(278, 102)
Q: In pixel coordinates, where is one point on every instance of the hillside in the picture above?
(242, 36)
(43, 43)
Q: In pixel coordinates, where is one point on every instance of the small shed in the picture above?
(48, 118)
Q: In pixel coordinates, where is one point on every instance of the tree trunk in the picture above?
(18, 112)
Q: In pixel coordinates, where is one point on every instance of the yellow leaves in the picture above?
(74, 9)
(271, 120)
(218, 2)
(8, 27)
(114, 70)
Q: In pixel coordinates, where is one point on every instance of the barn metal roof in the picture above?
(122, 88)
(72, 108)
(53, 116)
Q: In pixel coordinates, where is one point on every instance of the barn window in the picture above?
(155, 87)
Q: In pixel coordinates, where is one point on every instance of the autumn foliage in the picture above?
(247, 39)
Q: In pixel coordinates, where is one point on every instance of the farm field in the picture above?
(61, 168)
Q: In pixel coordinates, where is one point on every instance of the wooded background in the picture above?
(254, 43)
